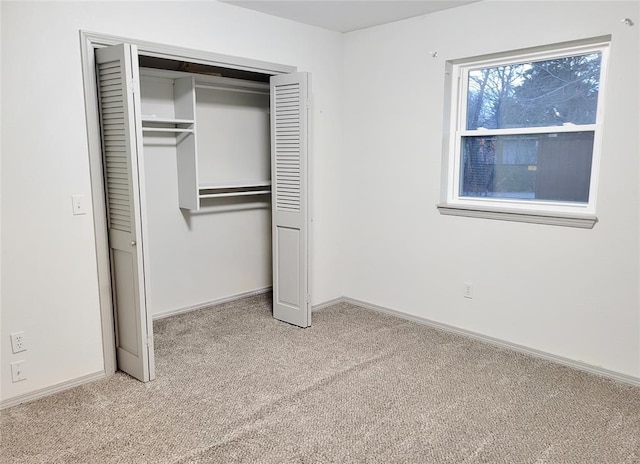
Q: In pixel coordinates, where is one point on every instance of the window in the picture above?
(524, 133)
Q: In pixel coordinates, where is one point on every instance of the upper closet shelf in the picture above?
(174, 130)
(151, 123)
(147, 118)
(257, 88)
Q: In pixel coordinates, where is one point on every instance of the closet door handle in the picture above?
(133, 243)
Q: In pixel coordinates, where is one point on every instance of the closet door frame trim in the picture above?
(89, 41)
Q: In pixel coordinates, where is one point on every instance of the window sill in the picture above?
(583, 221)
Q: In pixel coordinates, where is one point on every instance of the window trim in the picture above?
(541, 212)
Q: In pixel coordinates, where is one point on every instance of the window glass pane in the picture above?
(554, 167)
(554, 92)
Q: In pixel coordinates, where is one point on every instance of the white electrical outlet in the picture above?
(18, 342)
(468, 290)
(17, 371)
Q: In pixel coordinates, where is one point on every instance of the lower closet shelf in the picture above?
(234, 189)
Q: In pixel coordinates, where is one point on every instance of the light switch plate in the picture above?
(17, 371)
(79, 204)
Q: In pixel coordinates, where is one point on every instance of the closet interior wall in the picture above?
(220, 246)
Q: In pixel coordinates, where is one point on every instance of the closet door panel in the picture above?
(289, 178)
(117, 72)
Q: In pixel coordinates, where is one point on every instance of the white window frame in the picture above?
(534, 211)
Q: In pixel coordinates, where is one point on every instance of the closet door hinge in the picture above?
(133, 85)
(149, 341)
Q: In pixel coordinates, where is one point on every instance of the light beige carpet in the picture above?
(235, 385)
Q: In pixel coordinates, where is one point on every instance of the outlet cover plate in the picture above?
(468, 290)
(18, 342)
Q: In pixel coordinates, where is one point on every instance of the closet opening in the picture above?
(199, 182)
(206, 164)
(206, 189)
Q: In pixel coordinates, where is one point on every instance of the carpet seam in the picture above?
(244, 426)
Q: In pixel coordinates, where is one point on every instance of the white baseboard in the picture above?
(628, 379)
(227, 299)
(582, 366)
(57, 388)
(328, 303)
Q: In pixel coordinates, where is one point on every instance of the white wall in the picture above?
(568, 292)
(49, 282)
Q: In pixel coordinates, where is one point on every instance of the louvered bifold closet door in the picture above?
(117, 80)
(289, 179)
